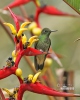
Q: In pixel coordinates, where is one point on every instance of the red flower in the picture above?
(17, 3)
(15, 19)
(6, 71)
(51, 10)
(41, 89)
(27, 52)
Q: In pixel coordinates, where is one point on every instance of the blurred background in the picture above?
(62, 43)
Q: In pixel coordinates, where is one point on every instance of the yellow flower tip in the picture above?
(14, 54)
(36, 77)
(12, 28)
(34, 40)
(21, 77)
(32, 26)
(24, 39)
(24, 24)
(38, 3)
(34, 37)
(6, 90)
(30, 77)
(14, 59)
(36, 31)
(18, 72)
(21, 31)
(48, 62)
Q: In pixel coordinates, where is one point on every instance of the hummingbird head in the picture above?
(47, 31)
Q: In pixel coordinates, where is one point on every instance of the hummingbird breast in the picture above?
(43, 45)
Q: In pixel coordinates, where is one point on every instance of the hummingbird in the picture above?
(43, 44)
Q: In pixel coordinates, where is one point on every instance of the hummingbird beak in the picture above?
(54, 30)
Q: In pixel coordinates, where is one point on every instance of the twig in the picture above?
(65, 82)
(51, 78)
(71, 82)
(52, 81)
(5, 28)
(23, 12)
(59, 73)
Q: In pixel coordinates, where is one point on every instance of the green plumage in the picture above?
(43, 44)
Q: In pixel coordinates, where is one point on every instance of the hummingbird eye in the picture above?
(45, 31)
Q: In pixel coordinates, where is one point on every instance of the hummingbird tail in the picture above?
(38, 66)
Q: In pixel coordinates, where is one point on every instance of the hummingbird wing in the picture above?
(40, 59)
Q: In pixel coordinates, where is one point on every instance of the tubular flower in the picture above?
(24, 24)
(6, 90)
(37, 3)
(11, 95)
(50, 10)
(6, 71)
(21, 30)
(41, 89)
(18, 39)
(35, 77)
(32, 40)
(19, 36)
(54, 11)
(15, 19)
(17, 3)
(24, 39)
(31, 78)
(14, 32)
(13, 69)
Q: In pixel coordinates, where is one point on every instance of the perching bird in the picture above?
(43, 44)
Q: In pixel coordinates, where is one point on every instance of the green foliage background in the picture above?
(74, 4)
(62, 43)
